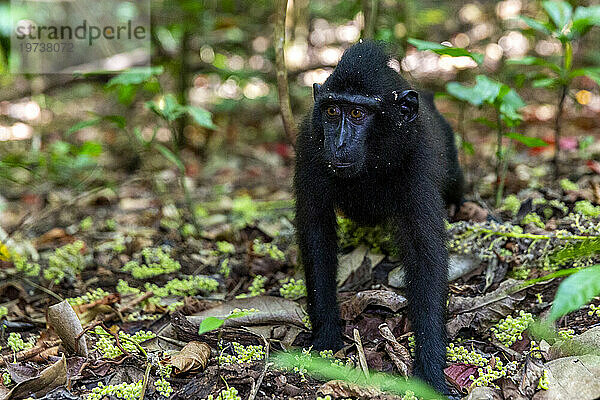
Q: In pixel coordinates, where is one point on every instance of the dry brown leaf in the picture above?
(192, 357)
(67, 326)
(342, 389)
(351, 308)
(49, 379)
(482, 311)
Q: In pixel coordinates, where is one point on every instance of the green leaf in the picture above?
(438, 48)
(530, 60)
(488, 88)
(544, 82)
(172, 109)
(201, 116)
(169, 155)
(537, 25)
(576, 291)
(527, 140)
(82, 124)
(486, 121)
(591, 72)
(135, 76)
(468, 148)
(210, 324)
(90, 148)
(118, 120)
(464, 93)
(559, 11)
(584, 18)
(325, 370)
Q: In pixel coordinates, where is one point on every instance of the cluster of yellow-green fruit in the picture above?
(257, 287)
(162, 385)
(124, 391)
(584, 207)
(306, 322)
(509, 329)
(16, 342)
(267, 249)
(511, 204)
(157, 262)
(6, 380)
(242, 354)
(494, 370)
(25, 267)
(566, 334)
(3, 312)
(225, 247)
(544, 382)
(189, 286)
(89, 297)
(461, 354)
(230, 393)
(66, 261)
(594, 310)
(533, 218)
(566, 184)
(328, 355)
(353, 235)
(488, 370)
(107, 346)
(224, 268)
(409, 395)
(534, 350)
(292, 288)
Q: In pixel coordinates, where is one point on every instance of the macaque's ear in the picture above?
(408, 101)
(316, 90)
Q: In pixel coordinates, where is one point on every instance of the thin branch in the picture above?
(282, 80)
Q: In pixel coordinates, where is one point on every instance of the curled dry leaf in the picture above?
(342, 389)
(192, 357)
(482, 311)
(67, 326)
(399, 354)
(49, 379)
(350, 309)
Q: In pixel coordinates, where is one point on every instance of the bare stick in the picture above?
(282, 81)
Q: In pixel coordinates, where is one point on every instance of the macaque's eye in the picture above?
(333, 111)
(357, 113)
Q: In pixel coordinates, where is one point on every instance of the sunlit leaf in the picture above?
(201, 116)
(559, 11)
(586, 17)
(210, 324)
(576, 291)
(488, 88)
(324, 369)
(82, 124)
(591, 72)
(464, 93)
(527, 140)
(90, 148)
(530, 60)
(537, 25)
(544, 82)
(438, 48)
(135, 76)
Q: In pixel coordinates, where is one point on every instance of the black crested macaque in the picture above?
(379, 152)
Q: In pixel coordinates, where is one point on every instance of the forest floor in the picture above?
(141, 281)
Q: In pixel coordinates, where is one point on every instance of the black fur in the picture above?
(405, 170)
